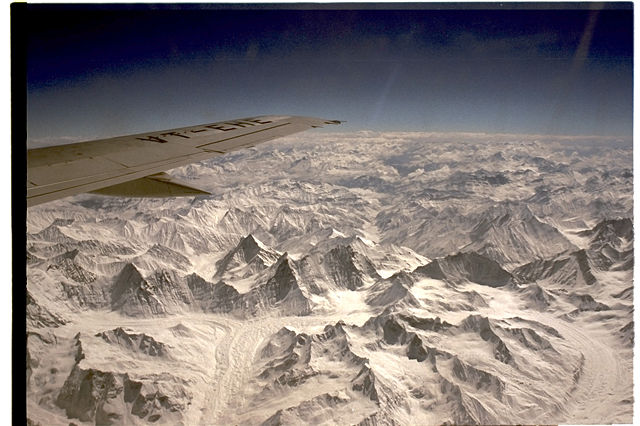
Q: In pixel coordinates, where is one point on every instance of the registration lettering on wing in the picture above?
(224, 126)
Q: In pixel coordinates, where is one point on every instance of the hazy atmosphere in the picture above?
(459, 251)
(97, 71)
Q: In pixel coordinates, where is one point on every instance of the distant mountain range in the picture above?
(343, 279)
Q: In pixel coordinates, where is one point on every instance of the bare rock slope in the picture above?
(361, 278)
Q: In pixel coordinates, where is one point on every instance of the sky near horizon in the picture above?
(97, 71)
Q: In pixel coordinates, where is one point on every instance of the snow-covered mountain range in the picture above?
(356, 278)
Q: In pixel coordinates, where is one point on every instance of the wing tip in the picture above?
(324, 121)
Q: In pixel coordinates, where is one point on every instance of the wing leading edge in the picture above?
(133, 165)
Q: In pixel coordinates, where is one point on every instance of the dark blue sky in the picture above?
(97, 71)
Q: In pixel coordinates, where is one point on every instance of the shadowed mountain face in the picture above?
(468, 266)
(357, 279)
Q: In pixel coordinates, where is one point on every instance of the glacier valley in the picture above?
(344, 278)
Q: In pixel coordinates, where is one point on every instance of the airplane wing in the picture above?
(134, 165)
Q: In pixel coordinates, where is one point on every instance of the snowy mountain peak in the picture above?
(510, 239)
(248, 257)
(71, 254)
(307, 293)
(72, 270)
(134, 342)
(572, 269)
(249, 246)
(467, 266)
(611, 230)
(62, 222)
(129, 277)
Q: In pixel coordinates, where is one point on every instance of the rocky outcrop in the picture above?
(572, 270)
(281, 292)
(466, 267)
(214, 298)
(39, 316)
(132, 295)
(106, 398)
(134, 342)
(482, 326)
(319, 409)
(346, 267)
(69, 268)
(610, 231)
(341, 267)
(392, 290)
(249, 257)
(536, 297)
(514, 237)
(161, 257)
(586, 302)
(626, 333)
(611, 244)
(92, 396)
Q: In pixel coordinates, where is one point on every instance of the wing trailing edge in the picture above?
(133, 165)
(158, 185)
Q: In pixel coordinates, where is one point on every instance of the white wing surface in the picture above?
(134, 165)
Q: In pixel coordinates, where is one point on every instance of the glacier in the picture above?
(344, 278)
